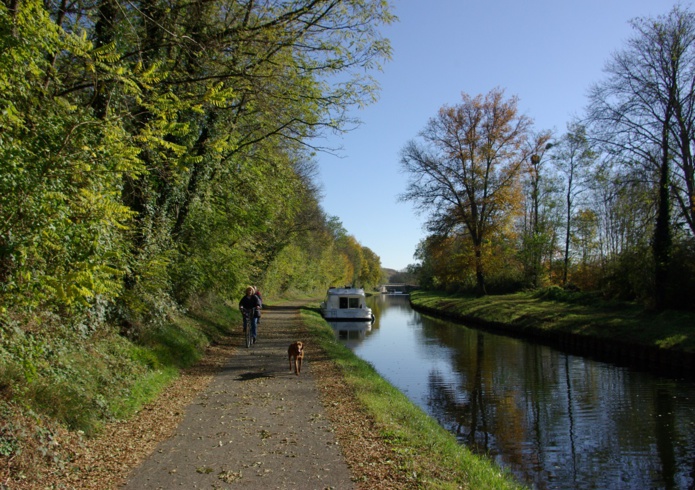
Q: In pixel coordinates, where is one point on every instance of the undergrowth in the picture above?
(59, 384)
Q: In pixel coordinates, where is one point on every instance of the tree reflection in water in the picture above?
(555, 420)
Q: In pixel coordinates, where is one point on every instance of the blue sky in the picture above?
(547, 53)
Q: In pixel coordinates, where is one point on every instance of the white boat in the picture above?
(346, 304)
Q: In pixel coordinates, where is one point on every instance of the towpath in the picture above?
(255, 426)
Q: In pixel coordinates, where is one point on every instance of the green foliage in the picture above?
(153, 157)
(625, 282)
(61, 238)
(63, 374)
(143, 177)
(324, 257)
(682, 276)
(143, 390)
(448, 265)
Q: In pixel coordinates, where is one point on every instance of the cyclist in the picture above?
(252, 304)
(257, 292)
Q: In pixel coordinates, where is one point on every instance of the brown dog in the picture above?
(296, 351)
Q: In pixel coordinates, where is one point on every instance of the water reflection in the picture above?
(351, 333)
(556, 420)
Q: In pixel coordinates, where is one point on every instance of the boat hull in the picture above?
(336, 315)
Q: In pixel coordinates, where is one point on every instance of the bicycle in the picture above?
(248, 315)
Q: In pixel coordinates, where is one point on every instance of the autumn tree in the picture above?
(644, 112)
(464, 170)
(370, 273)
(440, 265)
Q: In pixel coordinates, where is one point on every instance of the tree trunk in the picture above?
(568, 233)
(662, 238)
(479, 271)
(104, 35)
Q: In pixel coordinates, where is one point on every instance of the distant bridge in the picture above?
(396, 288)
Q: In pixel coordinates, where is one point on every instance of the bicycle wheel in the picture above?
(247, 332)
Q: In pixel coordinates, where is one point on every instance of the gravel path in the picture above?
(256, 425)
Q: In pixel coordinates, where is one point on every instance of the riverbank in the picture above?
(387, 440)
(579, 323)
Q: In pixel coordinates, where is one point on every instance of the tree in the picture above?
(145, 145)
(645, 112)
(465, 171)
(60, 214)
(585, 241)
(573, 159)
(538, 232)
(370, 274)
(622, 203)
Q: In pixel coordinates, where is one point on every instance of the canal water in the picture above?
(555, 420)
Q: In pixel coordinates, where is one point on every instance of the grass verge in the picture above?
(430, 455)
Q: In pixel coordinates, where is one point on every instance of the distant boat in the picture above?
(346, 304)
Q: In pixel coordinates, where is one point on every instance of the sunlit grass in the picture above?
(144, 390)
(673, 341)
(433, 455)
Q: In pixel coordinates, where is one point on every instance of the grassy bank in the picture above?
(59, 385)
(557, 311)
(432, 455)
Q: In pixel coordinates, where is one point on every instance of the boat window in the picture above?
(344, 302)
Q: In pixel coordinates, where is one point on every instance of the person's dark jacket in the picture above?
(250, 302)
